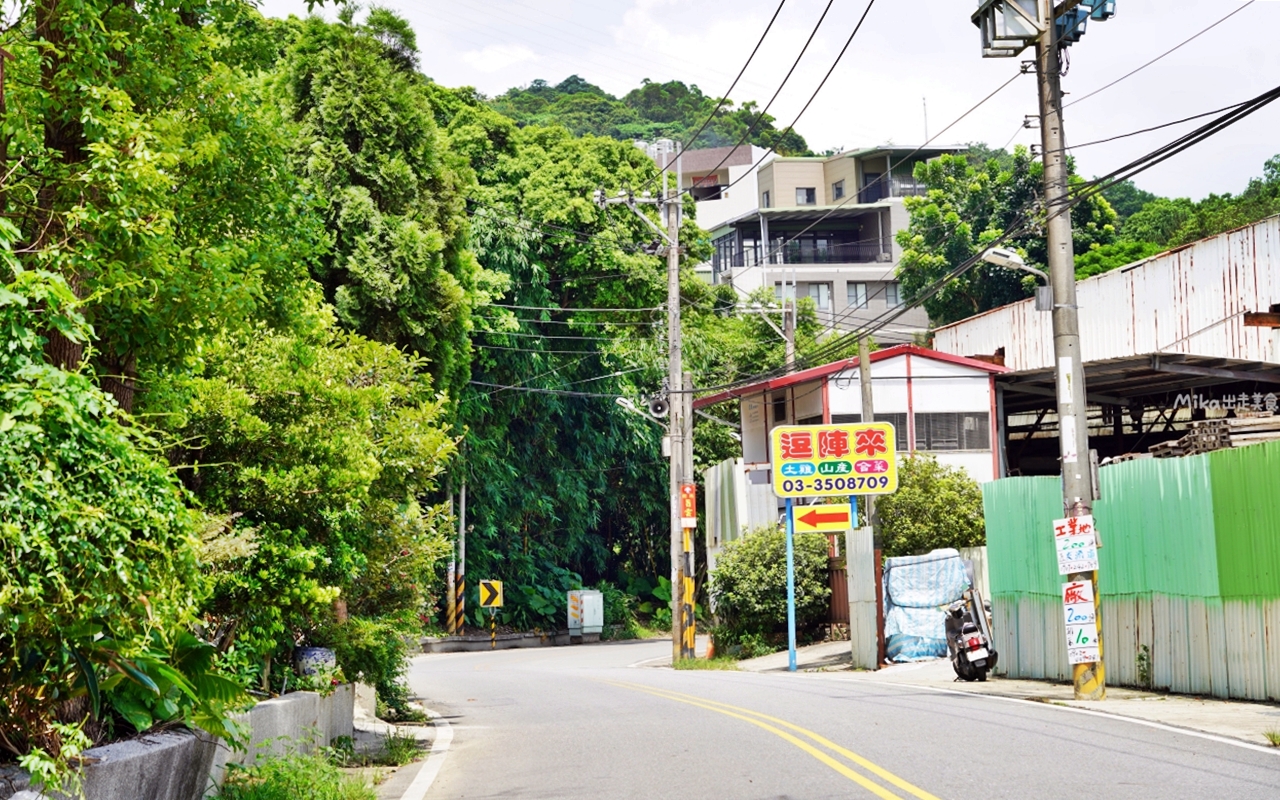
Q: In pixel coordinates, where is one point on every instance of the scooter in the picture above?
(969, 642)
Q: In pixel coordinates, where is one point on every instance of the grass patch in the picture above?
(290, 778)
(399, 749)
(1273, 736)
(721, 663)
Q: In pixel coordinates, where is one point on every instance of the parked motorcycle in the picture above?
(969, 642)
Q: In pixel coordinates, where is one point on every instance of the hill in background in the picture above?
(652, 111)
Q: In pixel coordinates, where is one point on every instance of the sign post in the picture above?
(827, 461)
(491, 598)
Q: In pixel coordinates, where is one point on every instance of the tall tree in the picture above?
(140, 169)
(967, 208)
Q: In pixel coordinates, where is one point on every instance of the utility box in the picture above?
(586, 613)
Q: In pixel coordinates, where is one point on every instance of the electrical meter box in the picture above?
(586, 612)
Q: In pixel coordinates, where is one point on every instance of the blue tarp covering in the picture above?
(917, 590)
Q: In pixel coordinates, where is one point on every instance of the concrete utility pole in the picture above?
(789, 327)
(868, 414)
(680, 414)
(1077, 480)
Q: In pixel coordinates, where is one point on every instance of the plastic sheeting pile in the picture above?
(917, 591)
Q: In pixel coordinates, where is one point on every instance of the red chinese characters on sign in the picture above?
(871, 443)
(797, 445)
(1075, 593)
(833, 444)
(1073, 526)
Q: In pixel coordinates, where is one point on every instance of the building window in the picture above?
(857, 295)
(892, 297)
(780, 407)
(784, 291)
(898, 421)
(820, 293)
(837, 190)
(810, 420)
(952, 431)
(764, 200)
(806, 196)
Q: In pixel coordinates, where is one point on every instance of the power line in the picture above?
(1155, 127)
(537, 391)
(1157, 58)
(479, 346)
(575, 310)
(760, 117)
(652, 324)
(732, 86)
(549, 336)
(808, 103)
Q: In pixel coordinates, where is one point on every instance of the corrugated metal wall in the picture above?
(1171, 303)
(1189, 580)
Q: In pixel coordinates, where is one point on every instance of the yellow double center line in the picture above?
(763, 720)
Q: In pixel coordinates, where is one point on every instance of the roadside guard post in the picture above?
(491, 598)
(828, 461)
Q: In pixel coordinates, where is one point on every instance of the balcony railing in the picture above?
(796, 253)
(896, 187)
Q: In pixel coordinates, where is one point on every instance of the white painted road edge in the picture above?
(1213, 737)
(439, 749)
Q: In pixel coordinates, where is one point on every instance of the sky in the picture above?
(912, 60)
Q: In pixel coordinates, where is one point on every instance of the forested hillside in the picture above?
(271, 298)
(651, 111)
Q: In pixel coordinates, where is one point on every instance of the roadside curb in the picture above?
(435, 759)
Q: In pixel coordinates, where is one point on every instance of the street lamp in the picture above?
(1010, 259)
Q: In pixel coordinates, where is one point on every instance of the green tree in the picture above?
(967, 208)
(318, 446)
(935, 506)
(1127, 199)
(141, 169)
(392, 192)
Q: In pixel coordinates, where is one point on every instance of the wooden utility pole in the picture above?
(1089, 680)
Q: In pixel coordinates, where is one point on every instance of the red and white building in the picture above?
(940, 404)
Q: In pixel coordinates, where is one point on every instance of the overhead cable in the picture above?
(1159, 57)
(732, 86)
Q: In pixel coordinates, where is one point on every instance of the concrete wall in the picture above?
(185, 765)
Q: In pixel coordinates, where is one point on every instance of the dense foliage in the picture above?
(648, 112)
(99, 578)
(935, 506)
(271, 298)
(966, 209)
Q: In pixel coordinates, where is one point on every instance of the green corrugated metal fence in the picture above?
(1189, 579)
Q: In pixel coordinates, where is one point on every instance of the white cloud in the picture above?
(497, 57)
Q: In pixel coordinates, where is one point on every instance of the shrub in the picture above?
(749, 584)
(291, 778)
(935, 506)
(619, 609)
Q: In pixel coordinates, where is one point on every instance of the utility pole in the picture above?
(868, 411)
(460, 588)
(1089, 680)
(450, 592)
(789, 328)
(680, 417)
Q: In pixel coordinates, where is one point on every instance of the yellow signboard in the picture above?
(834, 460)
(491, 594)
(823, 519)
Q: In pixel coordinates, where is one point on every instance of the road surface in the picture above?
(593, 722)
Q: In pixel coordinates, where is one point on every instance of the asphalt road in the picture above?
(592, 722)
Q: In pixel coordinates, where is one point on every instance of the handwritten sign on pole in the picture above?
(1076, 541)
(1081, 617)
